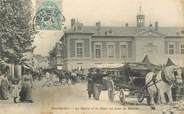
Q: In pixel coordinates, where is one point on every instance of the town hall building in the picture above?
(88, 46)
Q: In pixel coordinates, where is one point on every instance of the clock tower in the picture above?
(140, 20)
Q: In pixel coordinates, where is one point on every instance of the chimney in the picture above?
(126, 24)
(72, 22)
(156, 26)
(98, 25)
(105, 33)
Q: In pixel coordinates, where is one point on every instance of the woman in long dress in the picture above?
(4, 85)
(26, 90)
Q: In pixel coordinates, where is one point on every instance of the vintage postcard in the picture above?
(92, 57)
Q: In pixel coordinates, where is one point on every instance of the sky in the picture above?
(111, 13)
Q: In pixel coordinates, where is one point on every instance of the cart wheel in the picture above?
(122, 96)
(140, 97)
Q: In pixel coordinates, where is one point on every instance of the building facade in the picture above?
(89, 46)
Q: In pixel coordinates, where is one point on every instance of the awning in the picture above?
(108, 65)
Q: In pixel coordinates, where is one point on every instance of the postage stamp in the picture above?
(48, 14)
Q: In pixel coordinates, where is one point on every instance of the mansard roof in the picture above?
(129, 31)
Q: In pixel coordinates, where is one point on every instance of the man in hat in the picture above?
(90, 83)
(97, 83)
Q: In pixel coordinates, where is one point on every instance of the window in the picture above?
(74, 28)
(79, 49)
(182, 48)
(123, 50)
(110, 51)
(98, 51)
(140, 20)
(182, 32)
(79, 28)
(171, 48)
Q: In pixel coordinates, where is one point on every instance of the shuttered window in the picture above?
(123, 50)
(98, 51)
(182, 48)
(110, 51)
(171, 48)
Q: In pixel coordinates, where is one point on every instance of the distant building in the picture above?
(88, 46)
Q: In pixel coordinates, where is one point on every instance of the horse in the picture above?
(158, 85)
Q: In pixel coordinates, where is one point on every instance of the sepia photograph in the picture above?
(92, 56)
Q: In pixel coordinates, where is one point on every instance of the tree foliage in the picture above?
(16, 31)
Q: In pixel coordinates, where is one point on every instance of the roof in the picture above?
(127, 31)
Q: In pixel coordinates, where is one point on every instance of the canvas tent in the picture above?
(150, 65)
(146, 60)
(170, 62)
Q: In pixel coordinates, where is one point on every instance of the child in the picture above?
(16, 90)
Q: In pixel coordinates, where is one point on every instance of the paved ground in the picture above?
(73, 99)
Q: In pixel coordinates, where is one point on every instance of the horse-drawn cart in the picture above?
(128, 80)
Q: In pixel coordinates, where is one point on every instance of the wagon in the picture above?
(128, 79)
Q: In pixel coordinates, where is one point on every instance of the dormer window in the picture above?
(110, 31)
(182, 32)
(105, 33)
(74, 28)
(79, 28)
(177, 33)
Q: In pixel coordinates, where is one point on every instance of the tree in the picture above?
(16, 31)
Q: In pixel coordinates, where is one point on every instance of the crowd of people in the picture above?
(20, 89)
(14, 88)
(63, 77)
